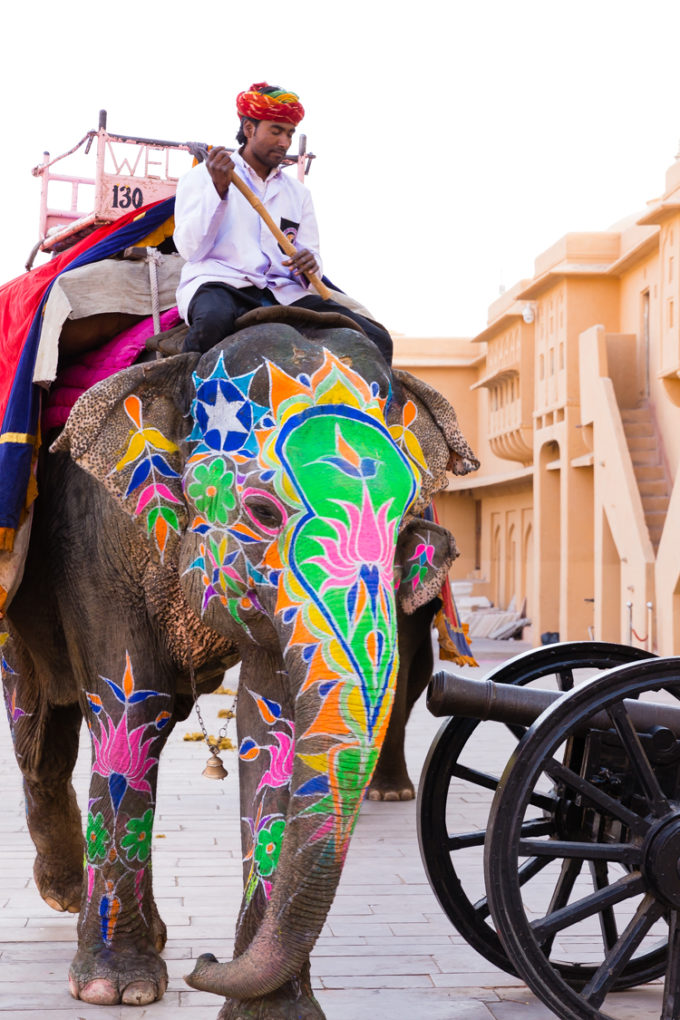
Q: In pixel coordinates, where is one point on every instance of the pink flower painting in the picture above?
(361, 556)
(121, 755)
(123, 758)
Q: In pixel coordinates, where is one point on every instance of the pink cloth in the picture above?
(98, 364)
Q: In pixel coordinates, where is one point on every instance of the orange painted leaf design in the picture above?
(161, 532)
(410, 413)
(133, 409)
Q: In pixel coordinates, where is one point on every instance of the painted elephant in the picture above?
(259, 502)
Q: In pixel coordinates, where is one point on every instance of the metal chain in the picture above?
(213, 748)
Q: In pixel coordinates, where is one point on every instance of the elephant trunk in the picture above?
(278, 951)
(322, 811)
(336, 618)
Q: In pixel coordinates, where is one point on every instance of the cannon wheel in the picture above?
(441, 850)
(646, 854)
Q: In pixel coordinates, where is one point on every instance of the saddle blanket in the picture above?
(22, 308)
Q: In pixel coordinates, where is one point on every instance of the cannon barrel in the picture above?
(450, 694)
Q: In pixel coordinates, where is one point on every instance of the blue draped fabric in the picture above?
(19, 434)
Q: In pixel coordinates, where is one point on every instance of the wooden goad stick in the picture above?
(289, 249)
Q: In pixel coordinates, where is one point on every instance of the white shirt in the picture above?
(226, 240)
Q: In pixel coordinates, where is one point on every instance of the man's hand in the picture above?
(302, 262)
(221, 168)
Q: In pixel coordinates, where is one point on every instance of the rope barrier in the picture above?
(154, 257)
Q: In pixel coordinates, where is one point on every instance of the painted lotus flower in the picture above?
(361, 556)
(268, 847)
(97, 837)
(122, 758)
(137, 840)
(211, 491)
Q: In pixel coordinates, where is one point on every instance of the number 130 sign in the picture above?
(126, 197)
(118, 194)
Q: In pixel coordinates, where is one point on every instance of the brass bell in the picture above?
(215, 769)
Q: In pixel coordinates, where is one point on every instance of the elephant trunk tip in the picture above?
(246, 977)
(203, 976)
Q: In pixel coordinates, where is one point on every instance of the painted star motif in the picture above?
(223, 417)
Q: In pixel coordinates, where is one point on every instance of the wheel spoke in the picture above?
(544, 801)
(649, 911)
(481, 908)
(623, 889)
(537, 827)
(528, 870)
(565, 679)
(620, 853)
(476, 837)
(470, 775)
(489, 782)
(600, 875)
(516, 730)
(638, 759)
(560, 773)
(571, 869)
(465, 840)
(671, 988)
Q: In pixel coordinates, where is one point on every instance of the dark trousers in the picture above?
(214, 308)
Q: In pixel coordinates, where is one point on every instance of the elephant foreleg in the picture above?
(46, 747)
(119, 931)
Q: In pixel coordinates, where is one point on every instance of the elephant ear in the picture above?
(418, 409)
(425, 551)
(129, 432)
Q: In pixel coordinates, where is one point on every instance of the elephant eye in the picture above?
(264, 510)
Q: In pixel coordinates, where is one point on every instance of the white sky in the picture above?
(455, 141)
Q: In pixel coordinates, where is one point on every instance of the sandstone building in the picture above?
(571, 399)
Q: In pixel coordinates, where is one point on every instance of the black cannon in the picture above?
(577, 889)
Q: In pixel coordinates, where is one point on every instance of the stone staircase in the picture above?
(648, 464)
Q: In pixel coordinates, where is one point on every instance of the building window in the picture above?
(670, 315)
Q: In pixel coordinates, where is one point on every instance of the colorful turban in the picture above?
(269, 102)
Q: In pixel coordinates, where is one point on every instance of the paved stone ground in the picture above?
(387, 952)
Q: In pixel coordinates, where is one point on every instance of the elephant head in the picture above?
(282, 475)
